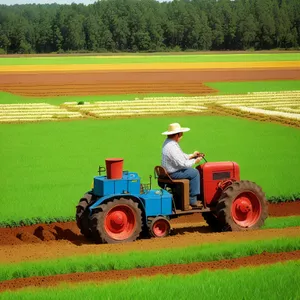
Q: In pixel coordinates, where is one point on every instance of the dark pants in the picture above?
(194, 178)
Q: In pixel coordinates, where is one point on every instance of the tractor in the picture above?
(119, 208)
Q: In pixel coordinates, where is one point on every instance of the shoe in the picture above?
(196, 205)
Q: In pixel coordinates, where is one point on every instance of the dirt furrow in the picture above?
(117, 275)
(46, 241)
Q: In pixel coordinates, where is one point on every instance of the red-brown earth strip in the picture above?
(209, 75)
(57, 240)
(117, 275)
(132, 82)
(69, 231)
(109, 88)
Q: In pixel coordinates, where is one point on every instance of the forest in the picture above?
(150, 26)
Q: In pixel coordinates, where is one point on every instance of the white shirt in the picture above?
(173, 159)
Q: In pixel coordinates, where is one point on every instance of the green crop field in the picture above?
(278, 281)
(254, 86)
(46, 167)
(134, 59)
(138, 259)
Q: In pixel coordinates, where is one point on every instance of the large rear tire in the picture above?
(117, 221)
(242, 206)
(82, 215)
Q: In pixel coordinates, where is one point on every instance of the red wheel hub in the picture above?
(120, 222)
(246, 209)
(160, 228)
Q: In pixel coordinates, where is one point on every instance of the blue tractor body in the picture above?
(154, 202)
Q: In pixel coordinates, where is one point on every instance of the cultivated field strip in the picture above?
(135, 108)
(33, 112)
(282, 104)
(277, 104)
(106, 88)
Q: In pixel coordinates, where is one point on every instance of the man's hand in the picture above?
(198, 159)
(196, 154)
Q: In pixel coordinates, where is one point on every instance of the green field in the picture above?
(278, 281)
(138, 259)
(255, 86)
(47, 167)
(133, 59)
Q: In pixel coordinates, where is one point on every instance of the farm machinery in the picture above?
(119, 208)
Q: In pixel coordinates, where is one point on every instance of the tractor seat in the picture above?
(164, 180)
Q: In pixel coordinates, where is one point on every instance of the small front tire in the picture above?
(159, 227)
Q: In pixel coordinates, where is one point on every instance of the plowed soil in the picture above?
(132, 82)
(44, 241)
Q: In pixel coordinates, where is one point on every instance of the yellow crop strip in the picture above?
(152, 66)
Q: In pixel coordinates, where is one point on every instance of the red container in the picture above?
(114, 168)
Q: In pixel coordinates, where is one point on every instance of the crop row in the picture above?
(281, 104)
(274, 281)
(271, 102)
(33, 112)
(137, 259)
(269, 112)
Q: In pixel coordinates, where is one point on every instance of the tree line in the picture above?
(150, 26)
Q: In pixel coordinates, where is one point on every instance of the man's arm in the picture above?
(181, 159)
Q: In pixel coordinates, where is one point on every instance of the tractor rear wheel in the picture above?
(117, 221)
(82, 214)
(159, 227)
(242, 206)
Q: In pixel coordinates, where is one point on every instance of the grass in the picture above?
(272, 282)
(66, 60)
(282, 222)
(140, 259)
(47, 167)
(255, 86)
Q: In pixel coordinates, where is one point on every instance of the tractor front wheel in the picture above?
(159, 227)
(117, 221)
(242, 206)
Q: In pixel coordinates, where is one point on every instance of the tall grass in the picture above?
(254, 86)
(46, 167)
(272, 282)
(141, 259)
(282, 222)
(133, 59)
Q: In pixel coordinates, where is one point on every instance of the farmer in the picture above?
(177, 163)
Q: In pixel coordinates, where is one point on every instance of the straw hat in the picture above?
(175, 128)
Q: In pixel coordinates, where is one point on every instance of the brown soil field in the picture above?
(132, 82)
(45, 241)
